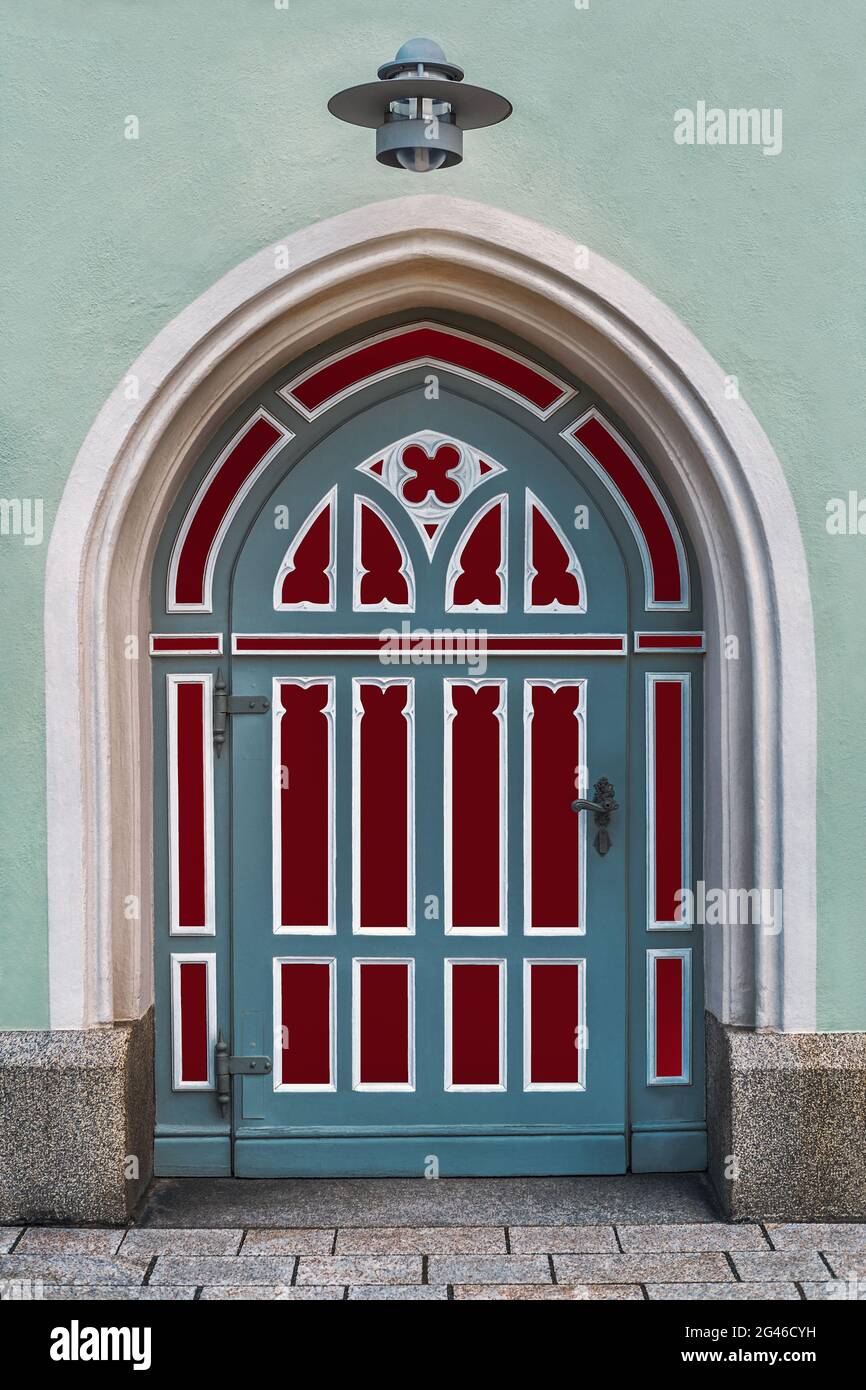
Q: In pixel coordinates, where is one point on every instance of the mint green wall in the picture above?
(103, 240)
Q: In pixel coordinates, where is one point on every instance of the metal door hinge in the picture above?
(225, 704)
(227, 1067)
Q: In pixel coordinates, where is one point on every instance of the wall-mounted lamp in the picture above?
(419, 109)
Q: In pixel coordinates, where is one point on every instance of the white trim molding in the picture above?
(596, 322)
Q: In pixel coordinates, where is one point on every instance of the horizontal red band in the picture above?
(372, 644)
(186, 643)
(669, 641)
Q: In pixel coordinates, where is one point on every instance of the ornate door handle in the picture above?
(602, 808)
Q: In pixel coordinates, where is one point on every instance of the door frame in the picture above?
(604, 327)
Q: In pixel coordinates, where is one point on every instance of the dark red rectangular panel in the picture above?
(304, 778)
(554, 871)
(193, 1021)
(191, 822)
(383, 1031)
(669, 1016)
(306, 1023)
(383, 845)
(475, 810)
(554, 1002)
(475, 1024)
(668, 798)
(185, 643)
(669, 641)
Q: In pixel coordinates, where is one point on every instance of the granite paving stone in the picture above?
(641, 1268)
(489, 1269)
(728, 1293)
(817, 1235)
(780, 1264)
(309, 1241)
(145, 1241)
(361, 1269)
(690, 1237)
(69, 1240)
(490, 1259)
(548, 1240)
(419, 1293)
(534, 1292)
(263, 1292)
(219, 1269)
(145, 1293)
(52, 1268)
(421, 1240)
(835, 1290)
(846, 1264)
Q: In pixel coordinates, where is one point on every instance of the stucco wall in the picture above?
(104, 239)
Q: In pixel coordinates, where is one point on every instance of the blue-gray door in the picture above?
(435, 592)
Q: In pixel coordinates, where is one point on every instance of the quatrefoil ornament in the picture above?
(430, 475)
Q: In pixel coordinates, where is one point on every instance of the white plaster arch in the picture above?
(597, 321)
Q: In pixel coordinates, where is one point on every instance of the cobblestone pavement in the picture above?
(673, 1260)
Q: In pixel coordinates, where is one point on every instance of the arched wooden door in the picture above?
(444, 598)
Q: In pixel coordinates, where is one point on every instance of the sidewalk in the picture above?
(627, 1238)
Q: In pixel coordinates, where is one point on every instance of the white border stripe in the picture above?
(502, 967)
(566, 393)
(279, 962)
(178, 959)
(502, 717)
(320, 929)
(206, 606)
(683, 953)
(652, 679)
(208, 927)
(530, 964)
(357, 717)
(650, 604)
(580, 717)
(357, 1005)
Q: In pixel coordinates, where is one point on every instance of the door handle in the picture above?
(602, 809)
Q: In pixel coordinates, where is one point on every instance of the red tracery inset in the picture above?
(431, 474)
(554, 579)
(384, 577)
(306, 576)
(477, 570)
